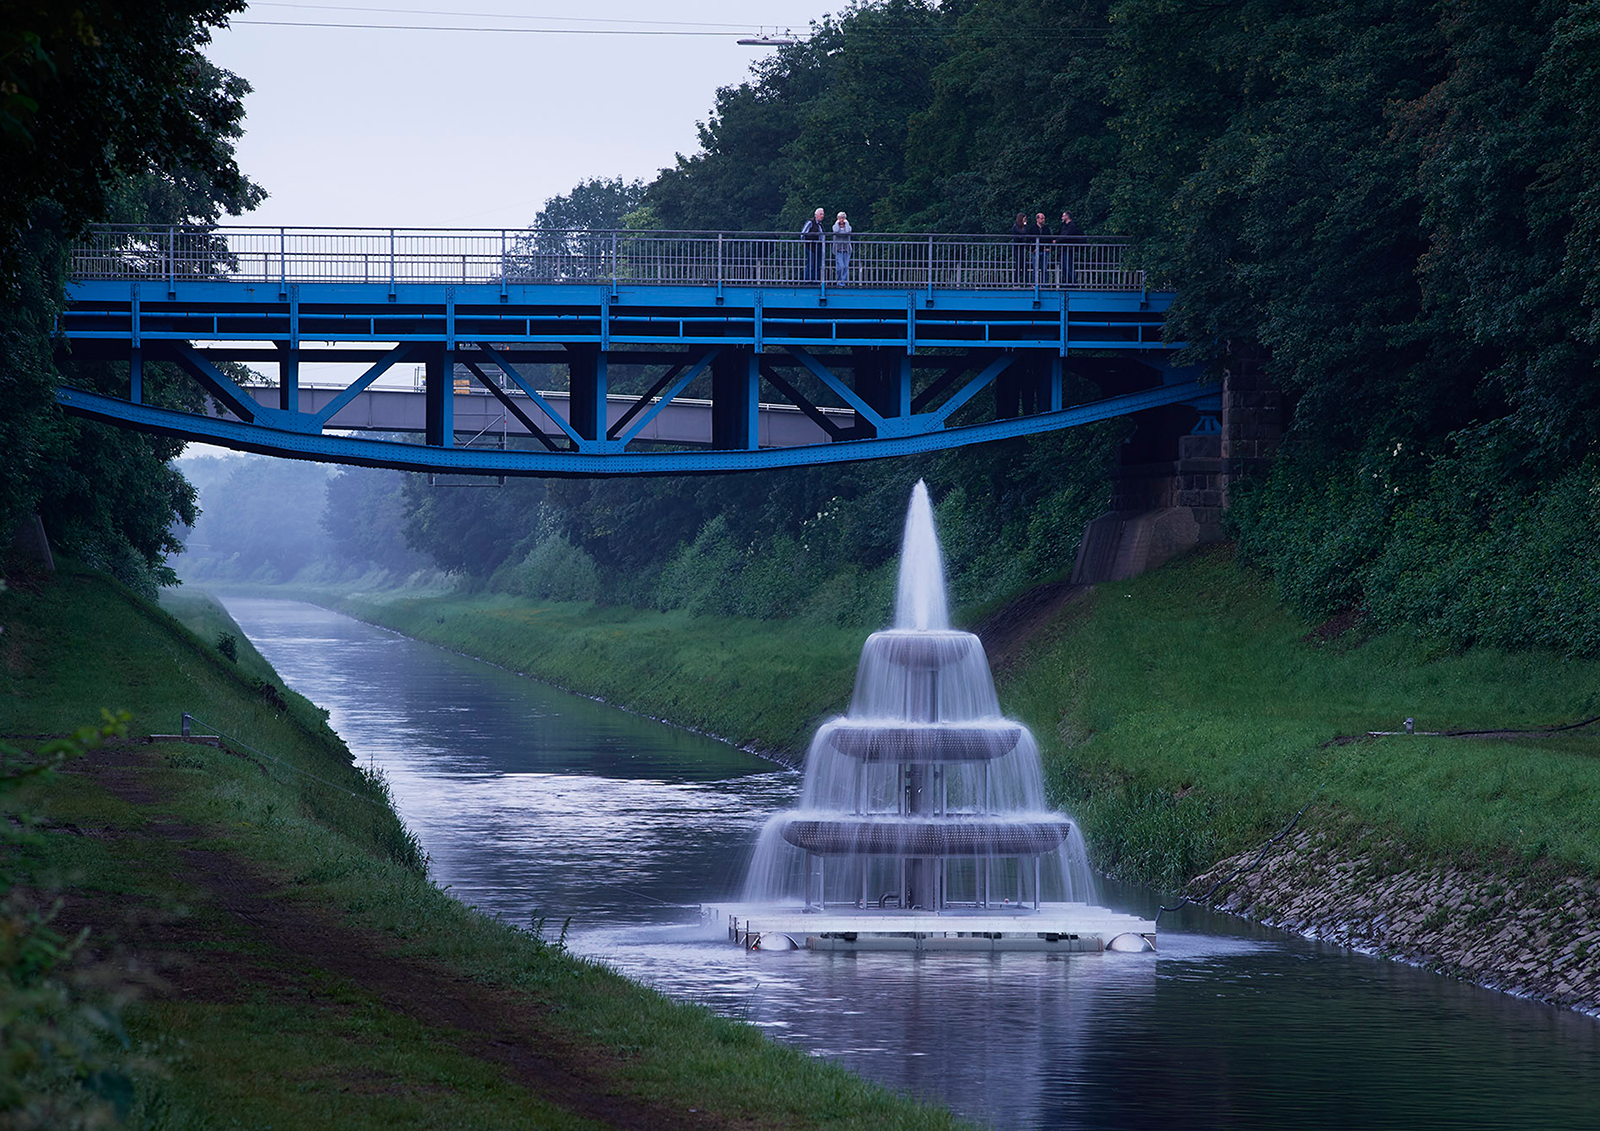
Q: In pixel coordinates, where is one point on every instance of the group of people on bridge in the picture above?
(814, 234)
(1043, 257)
(1035, 242)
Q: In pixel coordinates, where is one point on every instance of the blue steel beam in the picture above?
(861, 343)
(667, 398)
(415, 457)
(574, 313)
(378, 369)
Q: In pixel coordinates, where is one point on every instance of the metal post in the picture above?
(184, 724)
(391, 260)
(930, 268)
(283, 265)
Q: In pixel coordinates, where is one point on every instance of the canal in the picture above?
(542, 807)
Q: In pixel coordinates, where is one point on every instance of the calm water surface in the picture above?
(537, 804)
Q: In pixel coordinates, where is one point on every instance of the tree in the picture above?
(364, 517)
(559, 243)
(107, 111)
(99, 91)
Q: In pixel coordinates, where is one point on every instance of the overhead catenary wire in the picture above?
(629, 27)
(500, 15)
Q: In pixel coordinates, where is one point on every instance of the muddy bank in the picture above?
(1523, 929)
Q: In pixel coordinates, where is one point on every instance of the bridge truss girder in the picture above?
(912, 371)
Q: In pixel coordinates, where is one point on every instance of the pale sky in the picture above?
(365, 126)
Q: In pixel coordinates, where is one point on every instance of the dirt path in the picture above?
(1008, 632)
(244, 937)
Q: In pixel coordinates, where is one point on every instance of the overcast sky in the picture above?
(369, 126)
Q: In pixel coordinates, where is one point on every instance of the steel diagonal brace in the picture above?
(932, 393)
(643, 402)
(504, 363)
(359, 385)
(223, 389)
(817, 416)
(666, 398)
(996, 367)
(511, 406)
(822, 373)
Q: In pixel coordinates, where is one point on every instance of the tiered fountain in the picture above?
(922, 822)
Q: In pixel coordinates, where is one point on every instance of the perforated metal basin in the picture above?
(925, 743)
(868, 836)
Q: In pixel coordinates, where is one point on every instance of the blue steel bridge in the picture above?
(936, 341)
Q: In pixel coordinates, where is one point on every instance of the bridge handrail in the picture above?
(514, 257)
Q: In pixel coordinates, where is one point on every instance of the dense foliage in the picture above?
(108, 111)
(1390, 207)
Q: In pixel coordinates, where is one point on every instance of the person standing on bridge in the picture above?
(841, 248)
(1068, 235)
(812, 235)
(1042, 239)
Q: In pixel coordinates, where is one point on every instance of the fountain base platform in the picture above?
(1062, 928)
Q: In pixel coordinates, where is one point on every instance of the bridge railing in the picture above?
(509, 256)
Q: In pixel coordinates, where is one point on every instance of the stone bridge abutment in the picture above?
(1171, 485)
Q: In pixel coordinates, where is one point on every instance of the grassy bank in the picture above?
(1183, 716)
(1186, 715)
(260, 930)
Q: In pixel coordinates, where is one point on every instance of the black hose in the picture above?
(1243, 868)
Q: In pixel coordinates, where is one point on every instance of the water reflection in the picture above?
(536, 803)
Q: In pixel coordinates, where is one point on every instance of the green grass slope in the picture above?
(260, 933)
(1183, 716)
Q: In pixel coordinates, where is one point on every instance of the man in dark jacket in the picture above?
(1068, 235)
(812, 235)
(1040, 231)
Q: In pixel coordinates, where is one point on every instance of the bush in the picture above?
(553, 570)
(228, 645)
(702, 577)
(1467, 547)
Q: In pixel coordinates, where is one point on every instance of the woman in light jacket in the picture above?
(841, 248)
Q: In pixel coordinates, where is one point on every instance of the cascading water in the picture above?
(923, 797)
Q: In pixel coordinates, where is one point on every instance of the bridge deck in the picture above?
(891, 364)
